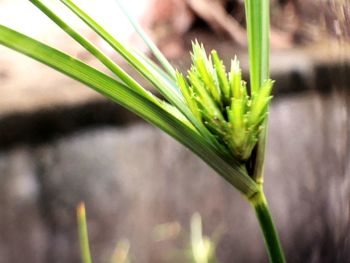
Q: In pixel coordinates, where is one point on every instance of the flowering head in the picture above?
(221, 101)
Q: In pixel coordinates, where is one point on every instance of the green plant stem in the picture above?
(258, 31)
(268, 228)
(83, 234)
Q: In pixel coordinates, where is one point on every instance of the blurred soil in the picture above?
(293, 22)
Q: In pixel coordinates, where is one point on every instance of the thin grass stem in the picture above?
(154, 49)
(268, 229)
(170, 92)
(120, 73)
(258, 30)
(83, 234)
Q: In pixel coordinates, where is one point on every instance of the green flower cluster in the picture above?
(222, 102)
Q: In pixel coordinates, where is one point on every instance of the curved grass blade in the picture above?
(153, 67)
(156, 52)
(130, 99)
(123, 76)
(149, 63)
(127, 79)
(170, 92)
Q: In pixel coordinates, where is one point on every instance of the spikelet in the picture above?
(221, 101)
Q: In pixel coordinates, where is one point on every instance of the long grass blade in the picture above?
(258, 25)
(156, 52)
(230, 170)
(83, 234)
(127, 79)
(258, 28)
(170, 92)
(149, 63)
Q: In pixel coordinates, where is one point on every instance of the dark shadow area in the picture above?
(36, 127)
(39, 126)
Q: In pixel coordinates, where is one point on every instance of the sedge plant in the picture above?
(120, 253)
(209, 110)
(83, 234)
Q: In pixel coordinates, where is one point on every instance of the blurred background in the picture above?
(61, 143)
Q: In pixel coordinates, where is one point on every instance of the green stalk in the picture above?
(267, 227)
(83, 234)
(258, 30)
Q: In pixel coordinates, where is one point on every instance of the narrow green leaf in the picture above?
(258, 25)
(258, 29)
(156, 52)
(253, 8)
(265, 41)
(229, 169)
(129, 81)
(94, 50)
(170, 92)
(153, 67)
(83, 234)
